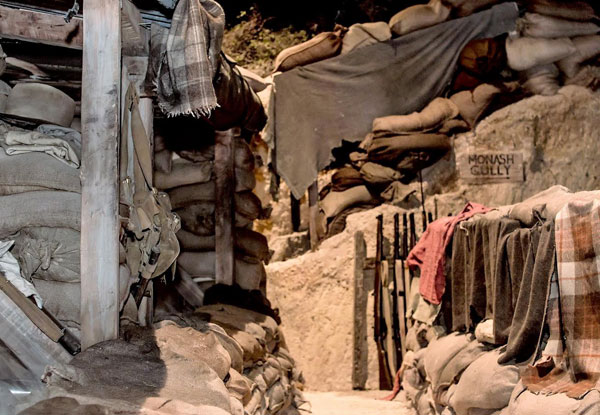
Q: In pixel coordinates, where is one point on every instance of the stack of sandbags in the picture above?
(188, 177)
(269, 382)
(554, 38)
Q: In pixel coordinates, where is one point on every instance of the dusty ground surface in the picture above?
(355, 403)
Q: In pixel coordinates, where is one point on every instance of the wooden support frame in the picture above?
(99, 172)
(360, 372)
(46, 28)
(224, 211)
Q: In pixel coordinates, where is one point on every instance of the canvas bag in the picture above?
(152, 245)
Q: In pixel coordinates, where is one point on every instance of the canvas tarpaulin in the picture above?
(318, 105)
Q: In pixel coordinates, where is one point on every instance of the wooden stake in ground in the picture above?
(224, 213)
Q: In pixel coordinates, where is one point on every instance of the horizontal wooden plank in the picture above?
(46, 28)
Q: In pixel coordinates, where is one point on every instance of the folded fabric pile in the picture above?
(494, 278)
(231, 361)
(188, 177)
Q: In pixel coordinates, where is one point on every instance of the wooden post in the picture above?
(360, 371)
(313, 203)
(99, 172)
(295, 208)
(224, 213)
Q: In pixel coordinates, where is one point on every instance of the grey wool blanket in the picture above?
(317, 106)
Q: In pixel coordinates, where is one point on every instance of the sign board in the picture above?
(491, 167)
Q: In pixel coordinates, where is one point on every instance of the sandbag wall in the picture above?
(500, 305)
(188, 177)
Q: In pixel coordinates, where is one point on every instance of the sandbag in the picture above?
(233, 348)
(13, 190)
(198, 219)
(323, 46)
(587, 48)
(237, 408)
(163, 161)
(39, 209)
(483, 57)
(364, 34)
(183, 174)
(432, 116)
(61, 299)
(248, 205)
(471, 105)
(239, 106)
(484, 385)
(440, 352)
(389, 151)
(524, 211)
(419, 16)
(484, 332)
(51, 254)
(202, 265)
(189, 241)
(252, 244)
(374, 173)
(462, 8)
(526, 52)
(244, 180)
(542, 80)
(336, 202)
(571, 10)
(238, 387)
(537, 25)
(39, 170)
(523, 402)
(176, 342)
(191, 194)
(587, 77)
(346, 178)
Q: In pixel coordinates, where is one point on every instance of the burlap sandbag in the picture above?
(346, 178)
(484, 386)
(175, 342)
(429, 118)
(483, 57)
(252, 244)
(183, 174)
(279, 396)
(163, 161)
(462, 8)
(542, 80)
(202, 265)
(198, 218)
(440, 352)
(524, 211)
(419, 16)
(587, 48)
(526, 52)
(364, 34)
(571, 10)
(237, 408)
(13, 190)
(39, 170)
(61, 299)
(374, 173)
(248, 205)
(538, 25)
(523, 402)
(188, 195)
(39, 209)
(189, 241)
(244, 180)
(233, 348)
(323, 46)
(587, 77)
(389, 151)
(471, 105)
(51, 254)
(336, 202)
(239, 387)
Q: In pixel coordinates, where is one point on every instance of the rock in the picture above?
(285, 247)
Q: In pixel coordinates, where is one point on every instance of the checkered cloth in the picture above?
(185, 58)
(571, 359)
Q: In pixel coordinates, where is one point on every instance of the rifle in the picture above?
(395, 317)
(385, 377)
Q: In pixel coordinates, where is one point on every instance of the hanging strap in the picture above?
(142, 154)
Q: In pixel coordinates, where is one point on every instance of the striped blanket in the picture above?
(571, 359)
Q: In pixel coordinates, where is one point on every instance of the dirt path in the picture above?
(354, 403)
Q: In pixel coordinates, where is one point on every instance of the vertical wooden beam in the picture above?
(224, 213)
(313, 203)
(99, 172)
(360, 363)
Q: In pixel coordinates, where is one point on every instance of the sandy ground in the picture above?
(355, 403)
